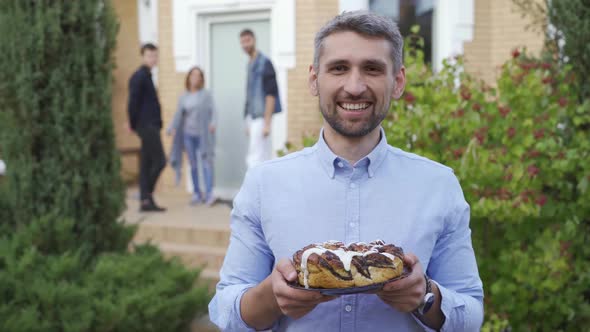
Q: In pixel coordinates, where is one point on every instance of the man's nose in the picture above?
(355, 83)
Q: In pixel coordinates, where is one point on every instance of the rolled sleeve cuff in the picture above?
(450, 304)
(226, 314)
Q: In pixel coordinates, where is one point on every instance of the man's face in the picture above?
(355, 82)
(150, 58)
(248, 43)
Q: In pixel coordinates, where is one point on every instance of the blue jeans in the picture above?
(191, 145)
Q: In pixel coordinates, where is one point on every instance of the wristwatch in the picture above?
(428, 299)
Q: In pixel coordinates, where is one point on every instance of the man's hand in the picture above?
(294, 303)
(128, 128)
(406, 295)
(264, 304)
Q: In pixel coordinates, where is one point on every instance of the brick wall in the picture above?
(304, 116)
(499, 28)
(170, 83)
(127, 59)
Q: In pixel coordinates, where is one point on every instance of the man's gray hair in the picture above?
(365, 23)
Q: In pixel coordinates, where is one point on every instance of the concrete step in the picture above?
(207, 257)
(213, 235)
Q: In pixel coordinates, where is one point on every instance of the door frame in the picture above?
(205, 23)
(204, 30)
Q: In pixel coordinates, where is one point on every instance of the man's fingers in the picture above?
(287, 292)
(410, 259)
(416, 277)
(287, 270)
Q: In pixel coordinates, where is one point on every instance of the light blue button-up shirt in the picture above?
(313, 196)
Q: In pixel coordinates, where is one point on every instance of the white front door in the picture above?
(228, 65)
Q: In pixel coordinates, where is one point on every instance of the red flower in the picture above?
(515, 53)
(561, 155)
(534, 154)
(526, 66)
(508, 177)
(539, 133)
(480, 134)
(504, 111)
(563, 101)
(457, 153)
(458, 113)
(511, 132)
(541, 200)
(476, 107)
(546, 65)
(532, 170)
(547, 80)
(504, 194)
(409, 97)
(465, 94)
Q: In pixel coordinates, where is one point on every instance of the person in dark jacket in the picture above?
(145, 119)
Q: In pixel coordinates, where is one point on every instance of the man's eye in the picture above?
(339, 68)
(373, 70)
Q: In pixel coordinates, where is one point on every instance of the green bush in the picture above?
(119, 292)
(520, 151)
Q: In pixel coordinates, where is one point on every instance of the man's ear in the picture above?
(313, 82)
(400, 83)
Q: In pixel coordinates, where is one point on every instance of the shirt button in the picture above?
(348, 308)
(340, 164)
(352, 185)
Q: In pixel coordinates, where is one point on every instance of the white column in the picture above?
(148, 21)
(350, 5)
(452, 27)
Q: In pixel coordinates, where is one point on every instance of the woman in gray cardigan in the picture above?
(196, 118)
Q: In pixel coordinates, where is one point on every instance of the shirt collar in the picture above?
(329, 159)
(146, 69)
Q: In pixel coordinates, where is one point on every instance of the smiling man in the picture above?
(351, 186)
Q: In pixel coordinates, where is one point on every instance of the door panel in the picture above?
(228, 86)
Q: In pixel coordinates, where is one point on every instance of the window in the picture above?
(407, 13)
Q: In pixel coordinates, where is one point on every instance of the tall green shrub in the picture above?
(64, 263)
(520, 151)
(57, 132)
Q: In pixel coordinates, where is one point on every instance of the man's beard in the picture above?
(340, 125)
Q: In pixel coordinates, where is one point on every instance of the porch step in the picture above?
(196, 245)
(213, 235)
(206, 257)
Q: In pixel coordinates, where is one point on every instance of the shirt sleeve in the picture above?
(248, 260)
(269, 80)
(133, 104)
(178, 115)
(454, 269)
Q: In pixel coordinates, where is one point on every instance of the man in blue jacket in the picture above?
(145, 119)
(262, 100)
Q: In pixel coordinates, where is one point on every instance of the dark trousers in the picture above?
(153, 160)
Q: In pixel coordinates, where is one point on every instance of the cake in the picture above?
(335, 265)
